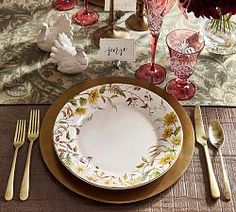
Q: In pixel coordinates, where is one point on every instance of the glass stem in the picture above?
(181, 82)
(86, 5)
(153, 42)
(111, 16)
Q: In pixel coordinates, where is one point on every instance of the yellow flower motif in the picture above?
(176, 140)
(167, 133)
(93, 178)
(93, 96)
(108, 182)
(169, 119)
(167, 159)
(79, 169)
(80, 111)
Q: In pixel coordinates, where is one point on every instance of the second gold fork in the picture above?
(33, 134)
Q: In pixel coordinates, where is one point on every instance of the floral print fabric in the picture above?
(29, 78)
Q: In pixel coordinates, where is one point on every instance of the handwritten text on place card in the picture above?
(123, 5)
(117, 49)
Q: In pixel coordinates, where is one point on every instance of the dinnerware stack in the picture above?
(116, 134)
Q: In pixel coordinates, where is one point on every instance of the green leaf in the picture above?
(120, 92)
(82, 101)
(144, 159)
(103, 99)
(155, 154)
(177, 130)
(156, 173)
(69, 112)
(137, 88)
(102, 89)
(113, 96)
(77, 130)
(140, 165)
(73, 102)
(151, 150)
(125, 177)
(80, 111)
(68, 160)
(68, 135)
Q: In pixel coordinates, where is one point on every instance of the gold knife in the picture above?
(201, 139)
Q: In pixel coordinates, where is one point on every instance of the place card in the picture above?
(123, 5)
(117, 49)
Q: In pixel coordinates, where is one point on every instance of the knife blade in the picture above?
(199, 127)
(201, 138)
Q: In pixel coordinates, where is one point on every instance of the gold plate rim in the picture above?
(114, 196)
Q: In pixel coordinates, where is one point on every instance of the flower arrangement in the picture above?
(218, 11)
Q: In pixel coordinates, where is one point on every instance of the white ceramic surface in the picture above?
(117, 136)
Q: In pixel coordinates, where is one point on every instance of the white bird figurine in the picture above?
(48, 34)
(69, 59)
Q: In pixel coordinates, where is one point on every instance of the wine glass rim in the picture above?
(203, 41)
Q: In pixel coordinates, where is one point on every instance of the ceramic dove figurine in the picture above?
(69, 59)
(48, 34)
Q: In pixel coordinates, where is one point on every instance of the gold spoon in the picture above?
(216, 137)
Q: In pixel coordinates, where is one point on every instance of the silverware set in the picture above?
(19, 140)
(216, 138)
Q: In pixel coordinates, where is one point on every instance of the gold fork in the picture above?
(19, 140)
(33, 134)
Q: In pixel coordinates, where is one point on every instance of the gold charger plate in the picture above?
(105, 195)
(98, 2)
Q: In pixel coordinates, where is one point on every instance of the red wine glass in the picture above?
(152, 72)
(64, 5)
(86, 16)
(185, 47)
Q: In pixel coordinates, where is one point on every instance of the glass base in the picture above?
(85, 17)
(156, 76)
(64, 5)
(180, 92)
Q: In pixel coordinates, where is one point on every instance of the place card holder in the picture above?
(109, 31)
(138, 21)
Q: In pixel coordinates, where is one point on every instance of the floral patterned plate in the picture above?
(117, 136)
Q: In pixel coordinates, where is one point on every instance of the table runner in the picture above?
(31, 79)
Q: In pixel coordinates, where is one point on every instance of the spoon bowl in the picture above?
(216, 134)
(216, 137)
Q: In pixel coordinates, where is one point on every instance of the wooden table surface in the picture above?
(190, 193)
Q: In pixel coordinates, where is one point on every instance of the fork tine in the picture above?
(34, 122)
(30, 122)
(16, 131)
(23, 130)
(38, 121)
(20, 131)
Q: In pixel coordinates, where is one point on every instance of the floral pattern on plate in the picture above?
(75, 116)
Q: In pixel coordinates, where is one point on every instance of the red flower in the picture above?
(209, 8)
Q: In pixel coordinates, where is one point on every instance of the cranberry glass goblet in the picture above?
(86, 16)
(64, 5)
(185, 47)
(152, 72)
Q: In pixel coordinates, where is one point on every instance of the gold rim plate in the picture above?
(114, 196)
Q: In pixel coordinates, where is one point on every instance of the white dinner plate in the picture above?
(117, 136)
